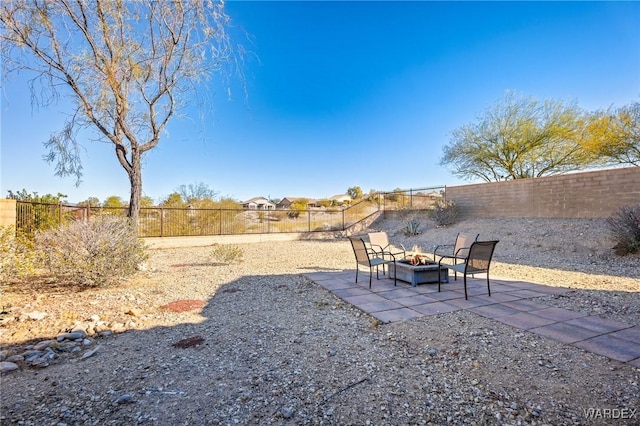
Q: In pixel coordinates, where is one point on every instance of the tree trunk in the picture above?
(135, 178)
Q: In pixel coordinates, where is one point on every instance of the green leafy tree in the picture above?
(297, 207)
(127, 66)
(614, 136)
(394, 196)
(112, 202)
(519, 138)
(173, 200)
(90, 202)
(374, 196)
(24, 195)
(355, 192)
(229, 203)
(38, 212)
(146, 201)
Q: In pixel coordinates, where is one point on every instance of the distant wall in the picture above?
(595, 194)
(7, 212)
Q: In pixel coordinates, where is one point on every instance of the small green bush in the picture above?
(227, 253)
(411, 227)
(100, 252)
(445, 213)
(624, 226)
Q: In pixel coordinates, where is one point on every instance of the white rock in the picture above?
(6, 366)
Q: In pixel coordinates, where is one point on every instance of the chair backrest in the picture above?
(480, 254)
(360, 251)
(463, 242)
(379, 239)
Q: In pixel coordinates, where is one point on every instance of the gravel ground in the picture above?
(261, 344)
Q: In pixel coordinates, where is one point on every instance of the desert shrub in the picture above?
(95, 253)
(227, 253)
(411, 227)
(624, 226)
(445, 213)
(18, 256)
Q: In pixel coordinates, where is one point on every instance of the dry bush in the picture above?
(18, 256)
(227, 253)
(445, 213)
(100, 252)
(624, 226)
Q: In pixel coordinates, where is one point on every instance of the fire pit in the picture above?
(418, 270)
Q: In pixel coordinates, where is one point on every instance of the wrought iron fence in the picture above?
(413, 199)
(171, 222)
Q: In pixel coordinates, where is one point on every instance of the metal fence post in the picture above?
(162, 221)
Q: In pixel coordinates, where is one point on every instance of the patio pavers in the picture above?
(525, 320)
(597, 323)
(446, 295)
(397, 293)
(632, 333)
(497, 297)
(515, 303)
(494, 311)
(558, 314)
(472, 302)
(384, 305)
(435, 308)
(350, 291)
(402, 314)
(611, 347)
(565, 333)
(527, 294)
(524, 305)
(416, 299)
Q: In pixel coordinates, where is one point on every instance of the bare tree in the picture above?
(128, 67)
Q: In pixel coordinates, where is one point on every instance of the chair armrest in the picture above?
(441, 246)
(458, 251)
(375, 248)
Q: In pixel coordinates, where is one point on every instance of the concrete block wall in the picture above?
(596, 194)
(7, 212)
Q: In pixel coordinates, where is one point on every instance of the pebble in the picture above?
(36, 316)
(6, 366)
(40, 354)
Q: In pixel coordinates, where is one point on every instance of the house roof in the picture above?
(341, 197)
(257, 199)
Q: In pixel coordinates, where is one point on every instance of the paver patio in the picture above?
(511, 302)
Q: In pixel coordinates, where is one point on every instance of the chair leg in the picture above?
(357, 268)
(488, 286)
(370, 275)
(465, 287)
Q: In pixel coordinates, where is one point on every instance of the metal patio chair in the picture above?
(477, 262)
(365, 256)
(379, 242)
(455, 252)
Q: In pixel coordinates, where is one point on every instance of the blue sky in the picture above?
(343, 94)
